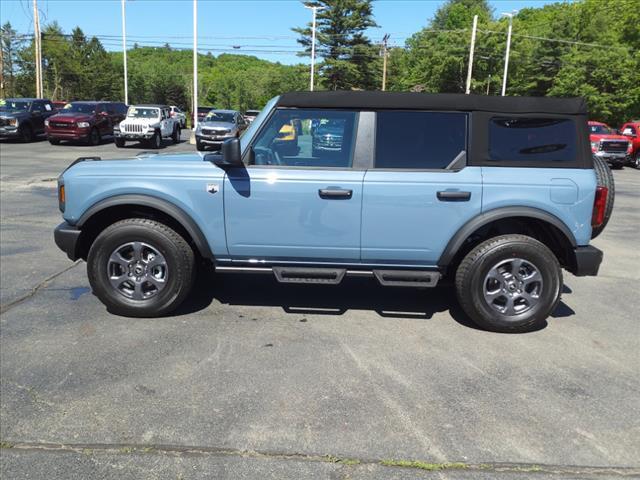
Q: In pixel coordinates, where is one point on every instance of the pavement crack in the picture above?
(9, 305)
(203, 451)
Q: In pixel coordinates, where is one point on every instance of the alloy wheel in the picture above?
(137, 270)
(513, 286)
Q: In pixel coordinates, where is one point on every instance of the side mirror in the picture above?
(231, 154)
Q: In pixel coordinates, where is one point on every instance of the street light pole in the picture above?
(124, 51)
(38, 46)
(313, 42)
(506, 54)
(385, 39)
(471, 51)
(195, 64)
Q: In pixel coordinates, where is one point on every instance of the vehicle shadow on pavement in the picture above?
(351, 294)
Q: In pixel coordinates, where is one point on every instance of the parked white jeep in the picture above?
(147, 124)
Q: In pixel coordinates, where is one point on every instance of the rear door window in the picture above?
(532, 139)
(419, 140)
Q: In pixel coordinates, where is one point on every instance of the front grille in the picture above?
(60, 125)
(618, 146)
(214, 131)
(132, 128)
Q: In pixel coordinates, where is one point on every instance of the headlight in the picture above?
(13, 122)
(84, 124)
(46, 122)
(594, 146)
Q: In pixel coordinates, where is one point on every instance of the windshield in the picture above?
(79, 107)
(135, 112)
(600, 129)
(10, 105)
(219, 117)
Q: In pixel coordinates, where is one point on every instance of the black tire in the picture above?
(120, 143)
(178, 255)
(604, 177)
(54, 141)
(176, 135)
(94, 137)
(636, 160)
(200, 146)
(156, 141)
(26, 133)
(471, 282)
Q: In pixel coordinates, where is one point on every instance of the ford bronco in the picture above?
(498, 194)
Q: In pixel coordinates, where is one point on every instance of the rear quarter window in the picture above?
(513, 139)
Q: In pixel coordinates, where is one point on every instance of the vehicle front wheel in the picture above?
(120, 142)
(156, 141)
(27, 133)
(140, 268)
(54, 141)
(200, 146)
(636, 160)
(94, 137)
(510, 283)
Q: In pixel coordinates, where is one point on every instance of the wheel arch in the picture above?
(537, 223)
(119, 207)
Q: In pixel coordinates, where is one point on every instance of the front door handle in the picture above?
(335, 193)
(453, 196)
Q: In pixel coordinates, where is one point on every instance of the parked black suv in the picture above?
(24, 118)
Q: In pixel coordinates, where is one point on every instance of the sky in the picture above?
(261, 28)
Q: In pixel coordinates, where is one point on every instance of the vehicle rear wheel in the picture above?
(120, 142)
(156, 141)
(140, 268)
(27, 134)
(94, 137)
(510, 283)
(604, 178)
(54, 141)
(176, 134)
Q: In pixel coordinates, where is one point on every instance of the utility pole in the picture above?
(2, 94)
(195, 64)
(124, 51)
(471, 51)
(38, 47)
(385, 39)
(506, 54)
(313, 42)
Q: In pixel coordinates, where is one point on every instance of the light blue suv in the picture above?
(497, 194)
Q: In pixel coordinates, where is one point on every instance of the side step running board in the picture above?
(407, 278)
(331, 276)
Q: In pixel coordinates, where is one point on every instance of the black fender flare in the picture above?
(164, 206)
(485, 218)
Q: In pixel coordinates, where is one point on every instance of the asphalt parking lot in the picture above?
(252, 379)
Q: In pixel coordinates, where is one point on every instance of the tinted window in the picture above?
(306, 138)
(532, 139)
(424, 140)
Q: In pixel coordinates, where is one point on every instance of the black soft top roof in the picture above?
(433, 101)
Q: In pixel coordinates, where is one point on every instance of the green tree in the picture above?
(349, 60)
(10, 44)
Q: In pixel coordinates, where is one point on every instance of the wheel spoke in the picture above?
(509, 308)
(534, 277)
(137, 251)
(137, 291)
(118, 259)
(117, 281)
(156, 282)
(491, 296)
(516, 265)
(157, 260)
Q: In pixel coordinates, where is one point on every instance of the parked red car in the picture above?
(631, 130)
(608, 145)
(87, 122)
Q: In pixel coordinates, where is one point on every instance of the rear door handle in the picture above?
(453, 196)
(335, 193)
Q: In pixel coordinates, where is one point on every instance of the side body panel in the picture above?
(568, 194)
(404, 221)
(184, 182)
(278, 214)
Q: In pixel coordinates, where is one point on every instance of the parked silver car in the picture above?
(218, 126)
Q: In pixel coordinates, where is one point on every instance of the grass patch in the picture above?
(423, 465)
(6, 445)
(341, 461)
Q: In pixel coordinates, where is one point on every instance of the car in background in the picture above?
(59, 104)
(608, 145)
(24, 118)
(327, 137)
(87, 121)
(218, 126)
(203, 112)
(179, 115)
(149, 124)
(250, 115)
(631, 130)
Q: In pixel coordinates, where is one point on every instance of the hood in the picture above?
(14, 114)
(140, 121)
(70, 117)
(225, 125)
(332, 129)
(596, 137)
